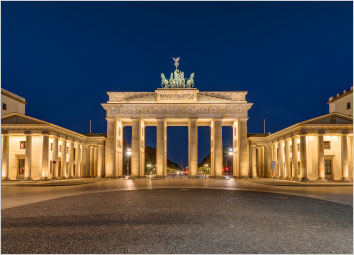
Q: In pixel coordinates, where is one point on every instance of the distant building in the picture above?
(342, 103)
(11, 102)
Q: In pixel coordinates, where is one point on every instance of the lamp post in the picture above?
(149, 167)
(229, 154)
(128, 153)
(206, 169)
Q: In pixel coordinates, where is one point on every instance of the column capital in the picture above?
(27, 132)
(4, 132)
(321, 132)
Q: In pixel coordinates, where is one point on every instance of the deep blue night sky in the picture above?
(290, 57)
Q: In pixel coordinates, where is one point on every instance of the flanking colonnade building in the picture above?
(317, 149)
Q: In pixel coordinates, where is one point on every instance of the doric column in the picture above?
(79, 166)
(258, 159)
(92, 162)
(135, 163)
(55, 157)
(267, 161)
(95, 160)
(262, 162)
(76, 160)
(193, 147)
(278, 166)
(254, 160)
(165, 151)
(160, 147)
(218, 148)
(100, 161)
(71, 160)
(244, 150)
(321, 166)
(344, 156)
(119, 154)
(287, 159)
(303, 160)
(212, 149)
(83, 161)
(282, 159)
(110, 148)
(142, 148)
(350, 155)
(63, 158)
(45, 156)
(28, 156)
(295, 173)
(235, 143)
(88, 161)
(5, 157)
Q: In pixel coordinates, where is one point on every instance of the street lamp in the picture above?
(149, 167)
(229, 153)
(128, 153)
(207, 169)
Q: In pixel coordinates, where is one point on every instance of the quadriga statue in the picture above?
(190, 82)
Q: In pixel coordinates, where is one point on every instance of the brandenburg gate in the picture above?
(177, 103)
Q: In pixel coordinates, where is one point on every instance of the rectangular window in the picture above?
(328, 166)
(4, 106)
(291, 147)
(327, 145)
(60, 147)
(348, 106)
(298, 147)
(51, 147)
(22, 144)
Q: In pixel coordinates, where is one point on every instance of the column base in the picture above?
(4, 179)
(346, 179)
(322, 179)
(27, 179)
(193, 177)
(303, 179)
(44, 179)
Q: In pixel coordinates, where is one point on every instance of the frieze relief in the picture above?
(176, 97)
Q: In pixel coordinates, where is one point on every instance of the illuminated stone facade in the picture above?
(323, 151)
(33, 149)
(176, 107)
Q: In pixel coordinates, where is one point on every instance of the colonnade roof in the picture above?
(17, 121)
(334, 120)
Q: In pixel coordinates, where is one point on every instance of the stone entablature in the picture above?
(177, 103)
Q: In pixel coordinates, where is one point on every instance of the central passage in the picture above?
(177, 150)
